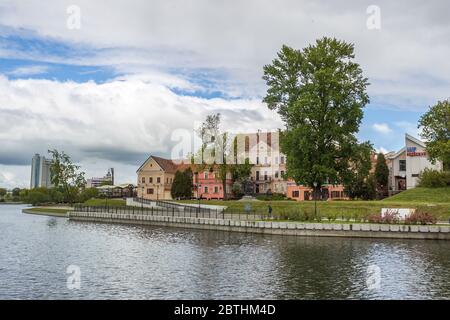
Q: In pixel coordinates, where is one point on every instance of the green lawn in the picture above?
(422, 195)
(47, 211)
(104, 202)
(435, 201)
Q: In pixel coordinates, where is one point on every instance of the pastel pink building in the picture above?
(208, 185)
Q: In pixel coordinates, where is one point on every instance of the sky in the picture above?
(111, 82)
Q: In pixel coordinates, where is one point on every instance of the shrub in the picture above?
(331, 216)
(37, 198)
(271, 197)
(374, 218)
(434, 179)
(420, 217)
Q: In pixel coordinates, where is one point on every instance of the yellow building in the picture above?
(155, 177)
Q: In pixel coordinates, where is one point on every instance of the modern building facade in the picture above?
(406, 164)
(40, 172)
(97, 182)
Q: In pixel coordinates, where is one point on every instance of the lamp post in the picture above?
(315, 198)
(142, 198)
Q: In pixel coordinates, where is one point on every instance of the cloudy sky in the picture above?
(115, 85)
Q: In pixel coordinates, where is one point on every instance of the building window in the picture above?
(282, 174)
(257, 175)
(206, 175)
(143, 179)
(295, 194)
(282, 160)
(335, 194)
(150, 191)
(402, 165)
(205, 189)
(276, 174)
(216, 189)
(150, 180)
(257, 160)
(158, 180)
(265, 175)
(415, 175)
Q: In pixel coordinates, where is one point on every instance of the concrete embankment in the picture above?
(360, 230)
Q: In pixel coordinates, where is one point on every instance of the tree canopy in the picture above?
(65, 175)
(320, 93)
(435, 125)
(381, 172)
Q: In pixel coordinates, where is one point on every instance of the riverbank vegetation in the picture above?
(435, 201)
(58, 212)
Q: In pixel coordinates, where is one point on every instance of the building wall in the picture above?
(209, 186)
(148, 186)
(302, 193)
(415, 156)
(416, 161)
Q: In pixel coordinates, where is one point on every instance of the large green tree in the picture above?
(65, 175)
(435, 125)
(2, 192)
(381, 172)
(320, 93)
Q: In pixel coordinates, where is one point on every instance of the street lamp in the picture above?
(315, 198)
(142, 198)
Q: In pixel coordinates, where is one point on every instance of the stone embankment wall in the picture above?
(271, 227)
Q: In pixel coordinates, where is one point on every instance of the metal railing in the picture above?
(174, 205)
(186, 212)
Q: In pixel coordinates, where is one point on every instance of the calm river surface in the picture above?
(133, 262)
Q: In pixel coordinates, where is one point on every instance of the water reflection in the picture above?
(125, 261)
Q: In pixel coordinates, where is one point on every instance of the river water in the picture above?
(135, 262)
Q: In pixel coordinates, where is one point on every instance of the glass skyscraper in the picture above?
(40, 172)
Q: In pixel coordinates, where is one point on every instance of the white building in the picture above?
(406, 164)
(40, 172)
(97, 182)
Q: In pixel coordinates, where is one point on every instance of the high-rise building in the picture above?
(40, 172)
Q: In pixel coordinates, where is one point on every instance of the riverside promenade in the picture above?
(252, 223)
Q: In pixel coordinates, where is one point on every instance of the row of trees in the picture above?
(68, 184)
(13, 196)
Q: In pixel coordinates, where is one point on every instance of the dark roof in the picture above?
(168, 165)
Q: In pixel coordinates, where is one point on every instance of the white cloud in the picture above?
(382, 128)
(409, 127)
(406, 61)
(28, 71)
(119, 122)
(381, 149)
